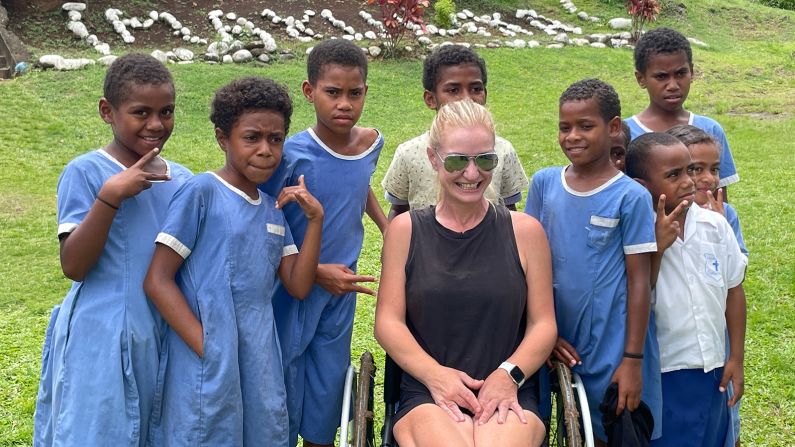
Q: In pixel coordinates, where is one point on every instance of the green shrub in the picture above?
(781, 4)
(443, 10)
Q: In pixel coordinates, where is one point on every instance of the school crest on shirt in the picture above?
(712, 266)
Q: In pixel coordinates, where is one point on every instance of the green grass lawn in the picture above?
(745, 80)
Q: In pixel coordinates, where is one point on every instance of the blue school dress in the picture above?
(590, 233)
(315, 333)
(232, 246)
(728, 171)
(100, 356)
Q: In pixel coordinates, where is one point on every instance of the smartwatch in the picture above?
(515, 372)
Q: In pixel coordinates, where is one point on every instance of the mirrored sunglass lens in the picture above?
(454, 163)
(486, 162)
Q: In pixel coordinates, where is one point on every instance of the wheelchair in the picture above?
(569, 424)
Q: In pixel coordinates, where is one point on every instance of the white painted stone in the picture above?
(519, 43)
(92, 40)
(582, 15)
(74, 6)
(309, 32)
(111, 14)
(424, 40)
(264, 58)
(620, 23)
(267, 13)
(580, 42)
(126, 22)
(468, 13)
(78, 28)
(186, 38)
(102, 48)
(625, 35)
(50, 60)
(74, 16)
(242, 56)
(193, 39)
(214, 14)
(370, 35)
(533, 44)
(461, 15)
(231, 16)
(184, 31)
(358, 36)
(442, 32)
(227, 59)
(237, 29)
(432, 29)
(374, 51)
(159, 55)
(305, 39)
(276, 20)
(183, 54)
(176, 24)
(309, 12)
(598, 45)
(349, 29)
(555, 46)
(107, 60)
(270, 45)
(135, 23)
(562, 38)
(347, 37)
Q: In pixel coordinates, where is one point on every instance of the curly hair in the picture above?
(447, 56)
(249, 94)
(637, 158)
(335, 51)
(660, 41)
(604, 94)
(133, 69)
(690, 135)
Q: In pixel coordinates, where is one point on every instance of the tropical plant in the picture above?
(443, 11)
(399, 17)
(642, 12)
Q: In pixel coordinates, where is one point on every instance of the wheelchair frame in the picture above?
(572, 423)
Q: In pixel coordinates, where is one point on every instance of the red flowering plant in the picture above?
(398, 16)
(642, 12)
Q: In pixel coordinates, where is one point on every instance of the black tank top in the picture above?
(466, 293)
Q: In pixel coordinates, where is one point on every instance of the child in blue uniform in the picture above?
(664, 67)
(100, 359)
(337, 160)
(212, 275)
(699, 299)
(601, 233)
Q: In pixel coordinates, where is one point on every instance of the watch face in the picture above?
(517, 374)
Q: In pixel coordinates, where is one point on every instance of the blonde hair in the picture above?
(459, 115)
(462, 114)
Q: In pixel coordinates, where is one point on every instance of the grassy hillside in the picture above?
(745, 80)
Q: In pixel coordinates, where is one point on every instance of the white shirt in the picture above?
(690, 297)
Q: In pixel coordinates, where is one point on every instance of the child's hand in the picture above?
(715, 202)
(339, 279)
(131, 181)
(313, 210)
(666, 228)
(630, 384)
(566, 353)
(733, 370)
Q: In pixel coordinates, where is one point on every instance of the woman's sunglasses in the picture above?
(459, 162)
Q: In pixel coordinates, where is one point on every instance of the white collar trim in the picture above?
(340, 156)
(237, 191)
(597, 190)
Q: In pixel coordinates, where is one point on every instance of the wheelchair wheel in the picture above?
(571, 424)
(358, 431)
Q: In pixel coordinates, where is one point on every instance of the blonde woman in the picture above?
(465, 301)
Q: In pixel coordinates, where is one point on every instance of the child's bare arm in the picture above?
(628, 375)
(735, 322)
(373, 209)
(81, 248)
(161, 288)
(297, 272)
